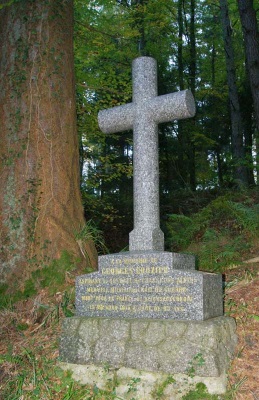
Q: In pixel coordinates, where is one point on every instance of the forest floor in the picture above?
(30, 333)
(242, 303)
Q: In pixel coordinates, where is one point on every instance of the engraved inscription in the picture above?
(141, 285)
(145, 289)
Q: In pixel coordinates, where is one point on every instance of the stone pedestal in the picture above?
(149, 315)
(100, 349)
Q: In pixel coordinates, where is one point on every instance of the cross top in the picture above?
(143, 115)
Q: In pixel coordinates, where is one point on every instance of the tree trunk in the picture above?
(192, 69)
(40, 202)
(251, 38)
(247, 118)
(191, 151)
(238, 152)
(180, 123)
(139, 6)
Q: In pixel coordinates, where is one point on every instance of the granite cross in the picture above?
(143, 115)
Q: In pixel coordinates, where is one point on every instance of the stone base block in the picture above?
(131, 383)
(153, 348)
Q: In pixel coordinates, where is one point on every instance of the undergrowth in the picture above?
(200, 392)
(29, 377)
(219, 234)
(52, 276)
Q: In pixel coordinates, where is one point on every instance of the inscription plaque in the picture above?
(154, 285)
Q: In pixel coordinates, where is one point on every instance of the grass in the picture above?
(29, 367)
(33, 377)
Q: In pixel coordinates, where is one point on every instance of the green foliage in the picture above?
(132, 386)
(29, 288)
(90, 231)
(31, 377)
(37, 378)
(113, 214)
(51, 276)
(8, 299)
(218, 234)
(200, 392)
(196, 362)
(179, 231)
(9, 3)
(218, 251)
(160, 390)
(4, 298)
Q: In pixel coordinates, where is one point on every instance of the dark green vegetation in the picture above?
(40, 279)
(220, 234)
(199, 393)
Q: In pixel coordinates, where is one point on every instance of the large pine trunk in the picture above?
(40, 202)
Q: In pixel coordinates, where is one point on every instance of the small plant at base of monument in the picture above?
(197, 361)
(200, 392)
(132, 386)
(90, 232)
(159, 393)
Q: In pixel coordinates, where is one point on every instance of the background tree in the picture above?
(40, 206)
(251, 39)
(251, 42)
(240, 173)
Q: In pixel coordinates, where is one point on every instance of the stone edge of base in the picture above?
(145, 384)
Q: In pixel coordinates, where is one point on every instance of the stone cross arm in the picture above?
(165, 108)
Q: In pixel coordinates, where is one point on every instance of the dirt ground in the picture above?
(242, 303)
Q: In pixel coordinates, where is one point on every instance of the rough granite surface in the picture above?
(200, 348)
(143, 115)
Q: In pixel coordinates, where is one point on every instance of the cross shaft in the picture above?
(143, 115)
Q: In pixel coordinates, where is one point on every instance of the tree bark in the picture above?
(192, 69)
(238, 152)
(40, 204)
(247, 118)
(180, 69)
(191, 151)
(251, 38)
